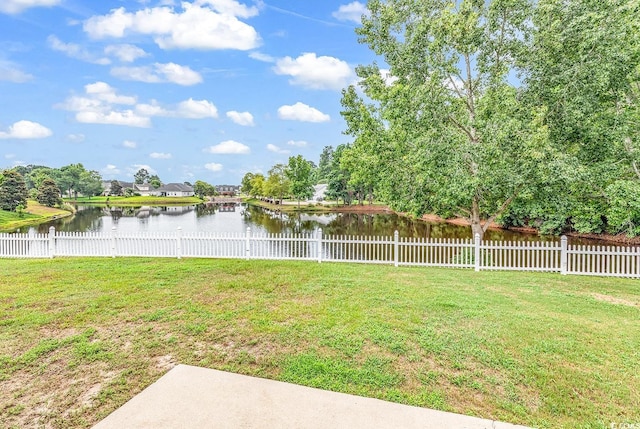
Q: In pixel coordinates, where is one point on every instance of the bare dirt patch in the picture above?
(614, 300)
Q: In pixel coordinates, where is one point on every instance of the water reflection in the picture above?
(235, 218)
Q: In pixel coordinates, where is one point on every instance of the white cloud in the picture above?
(110, 170)
(229, 147)
(231, 7)
(197, 109)
(152, 109)
(12, 73)
(100, 105)
(311, 71)
(26, 130)
(105, 92)
(160, 155)
(136, 167)
(302, 112)
(159, 73)
(73, 50)
(351, 12)
(297, 143)
(9, 156)
(212, 166)
(262, 57)
(125, 52)
(241, 118)
(276, 149)
(17, 6)
(203, 24)
(125, 117)
(129, 144)
(76, 138)
(97, 107)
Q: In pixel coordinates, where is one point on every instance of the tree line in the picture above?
(49, 185)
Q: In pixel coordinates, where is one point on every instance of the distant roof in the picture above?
(176, 187)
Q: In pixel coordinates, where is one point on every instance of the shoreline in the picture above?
(45, 214)
(383, 209)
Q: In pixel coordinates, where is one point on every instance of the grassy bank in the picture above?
(80, 337)
(136, 201)
(35, 214)
(290, 206)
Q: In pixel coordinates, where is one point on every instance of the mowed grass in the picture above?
(34, 214)
(80, 337)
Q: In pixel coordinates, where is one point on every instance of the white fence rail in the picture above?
(555, 256)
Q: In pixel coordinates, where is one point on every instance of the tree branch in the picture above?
(502, 208)
(462, 127)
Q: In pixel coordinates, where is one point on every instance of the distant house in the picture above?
(175, 190)
(143, 189)
(228, 190)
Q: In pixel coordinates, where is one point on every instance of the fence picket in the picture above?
(462, 253)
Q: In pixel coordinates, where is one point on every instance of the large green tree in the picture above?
(49, 193)
(202, 189)
(277, 184)
(582, 68)
(141, 176)
(245, 184)
(13, 191)
(257, 185)
(299, 171)
(324, 165)
(453, 137)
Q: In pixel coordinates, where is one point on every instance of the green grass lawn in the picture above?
(136, 201)
(34, 215)
(79, 337)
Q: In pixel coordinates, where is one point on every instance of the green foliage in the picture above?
(155, 181)
(202, 189)
(623, 213)
(446, 133)
(115, 188)
(338, 183)
(324, 165)
(257, 185)
(277, 184)
(141, 176)
(21, 210)
(13, 191)
(246, 185)
(49, 193)
(299, 174)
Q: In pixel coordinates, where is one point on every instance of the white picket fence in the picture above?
(557, 256)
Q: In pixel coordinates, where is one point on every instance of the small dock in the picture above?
(225, 200)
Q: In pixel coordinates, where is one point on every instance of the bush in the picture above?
(623, 213)
(67, 207)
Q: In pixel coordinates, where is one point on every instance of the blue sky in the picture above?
(192, 90)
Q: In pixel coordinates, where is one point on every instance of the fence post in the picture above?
(248, 244)
(52, 242)
(179, 243)
(319, 244)
(563, 255)
(113, 242)
(476, 249)
(396, 248)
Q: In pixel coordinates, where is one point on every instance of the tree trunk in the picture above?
(476, 225)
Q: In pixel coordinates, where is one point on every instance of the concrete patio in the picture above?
(196, 398)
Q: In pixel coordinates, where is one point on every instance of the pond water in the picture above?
(236, 218)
